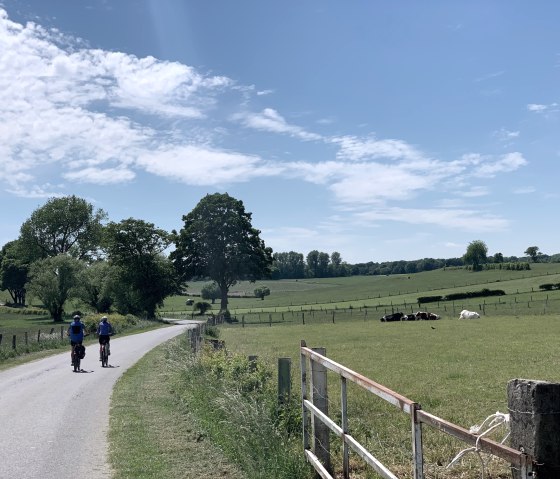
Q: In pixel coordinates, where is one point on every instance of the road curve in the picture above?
(54, 422)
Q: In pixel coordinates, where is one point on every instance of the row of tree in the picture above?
(65, 250)
(319, 264)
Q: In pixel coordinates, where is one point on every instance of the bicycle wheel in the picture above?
(76, 364)
(104, 357)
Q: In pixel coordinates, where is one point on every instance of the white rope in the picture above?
(494, 421)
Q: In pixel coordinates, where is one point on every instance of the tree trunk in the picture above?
(57, 314)
(224, 299)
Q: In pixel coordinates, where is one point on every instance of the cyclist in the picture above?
(76, 331)
(104, 330)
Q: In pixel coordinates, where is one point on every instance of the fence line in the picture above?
(25, 338)
(319, 457)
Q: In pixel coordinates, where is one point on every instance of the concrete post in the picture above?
(534, 408)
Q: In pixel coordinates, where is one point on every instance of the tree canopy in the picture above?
(142, 277)
(66, 225)
(54, 280)
(533, 252)
(476, 254)
(219, 242)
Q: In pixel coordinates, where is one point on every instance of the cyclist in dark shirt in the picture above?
(104, 330)
(76, 331)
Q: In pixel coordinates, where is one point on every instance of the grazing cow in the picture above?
(466, 314)
(409, 317)
(392, 317)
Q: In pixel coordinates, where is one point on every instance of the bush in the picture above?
(228, 394)
(429, 299)
(474, 294)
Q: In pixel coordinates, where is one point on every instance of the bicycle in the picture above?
(104, 353)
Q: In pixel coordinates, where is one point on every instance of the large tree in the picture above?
(142, 277)
(96, 286)
(14, 269)
(66, 225)
(219, 242)
(54, 280)
(533, 252)
(476, 254)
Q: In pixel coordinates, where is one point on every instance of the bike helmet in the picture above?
(104, 318)
(77, 316)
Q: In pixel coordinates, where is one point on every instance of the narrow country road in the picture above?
(54, 422)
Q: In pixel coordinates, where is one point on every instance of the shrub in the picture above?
(429, 299)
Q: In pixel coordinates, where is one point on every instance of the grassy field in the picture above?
(458, 371)
(384, 294)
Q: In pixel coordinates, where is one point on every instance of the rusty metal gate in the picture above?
(311, 381)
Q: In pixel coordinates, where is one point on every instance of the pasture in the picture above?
(456, 369)
(384, 294)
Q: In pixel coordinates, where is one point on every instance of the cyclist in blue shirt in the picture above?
(76, 331)
(104, 330)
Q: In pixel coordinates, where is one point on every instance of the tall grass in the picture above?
(235, 403)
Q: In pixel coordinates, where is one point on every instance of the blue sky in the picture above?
(380, 130)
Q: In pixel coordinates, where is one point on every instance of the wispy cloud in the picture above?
(270, 120)
(489, 76)
(506, 136)
(526, 190)
(466, 220)
(540, 108)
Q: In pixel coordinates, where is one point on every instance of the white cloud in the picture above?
(463, 219)
(355, 149)
(197, 165)
(505, 135)
(270, 120)
(101, 176)
(473, 191)
(264, 92)
(537, 107)
(506, 163)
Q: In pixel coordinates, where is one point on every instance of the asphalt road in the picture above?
(54, 422)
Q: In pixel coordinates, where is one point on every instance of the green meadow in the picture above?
(456, 369)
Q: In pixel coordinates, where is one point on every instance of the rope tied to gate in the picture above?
(491, 422)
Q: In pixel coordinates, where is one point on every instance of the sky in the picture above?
(381, 130)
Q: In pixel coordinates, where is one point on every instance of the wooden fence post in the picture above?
(284, 380)
(14, 341)
(26, 338)
(321, 435)
(39, 336)
(0, 339)
(62, 332)
(534, 408)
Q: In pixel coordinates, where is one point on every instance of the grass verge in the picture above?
(153, 433)
(207, 417)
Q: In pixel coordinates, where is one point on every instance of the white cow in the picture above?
(466, 314)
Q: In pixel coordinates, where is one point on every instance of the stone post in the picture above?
(534, 408)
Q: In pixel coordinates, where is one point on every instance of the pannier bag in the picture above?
(81, 351)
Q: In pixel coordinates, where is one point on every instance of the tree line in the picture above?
(317, 264)
(68, 250)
